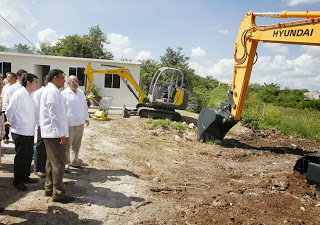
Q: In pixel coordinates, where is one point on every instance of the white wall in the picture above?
(30, 63)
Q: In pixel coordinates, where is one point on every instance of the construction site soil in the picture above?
(132, 175)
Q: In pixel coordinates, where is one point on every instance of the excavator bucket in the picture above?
(213, 125)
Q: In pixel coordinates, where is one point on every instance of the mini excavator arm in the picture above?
(122, 72)
(213, 124)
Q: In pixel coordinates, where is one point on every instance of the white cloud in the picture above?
(198, 52)
(297, 2)
(48, 35)
(120, 48)
(277, 48)
(312, 50)
(144, 55)
(301, 72)
(223, 31)
(18, 14)
(222, 70)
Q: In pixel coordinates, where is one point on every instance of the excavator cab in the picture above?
(165, 95)
(166, 89)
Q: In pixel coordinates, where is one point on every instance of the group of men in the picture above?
(59, 117)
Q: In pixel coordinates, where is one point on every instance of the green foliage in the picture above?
(312, 104)
(179, 126)
(208, 82)
(86, 46)
(95, 90)
(261, 116)
(203, 97)
(47, 49)
(3, 48)
(97, 39)
(24, 48)
(152, 124)
(218, 95)
(155, 124)
(300, 123)
(269, 92)
(289, 121)
(147, 70)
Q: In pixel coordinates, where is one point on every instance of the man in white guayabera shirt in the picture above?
(54, 132)
(11, 90)
(21, 119)
(77, 114)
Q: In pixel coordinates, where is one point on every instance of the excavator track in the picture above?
(159, 113)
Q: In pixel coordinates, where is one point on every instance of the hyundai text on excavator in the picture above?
(165, 92)
(213, 124)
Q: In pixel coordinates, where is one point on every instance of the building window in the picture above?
(5, 67)
(79, 73)
(112, 81)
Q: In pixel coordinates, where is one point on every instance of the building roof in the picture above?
(68, 58)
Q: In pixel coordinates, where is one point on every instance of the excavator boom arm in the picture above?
(303, 32)
(213, 124)
(119, 70)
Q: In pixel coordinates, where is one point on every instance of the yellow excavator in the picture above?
(165, 92)
(213, 124)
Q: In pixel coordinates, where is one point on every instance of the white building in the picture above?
(109, 84)
(311, 95)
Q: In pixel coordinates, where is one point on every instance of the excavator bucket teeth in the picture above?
(213, 125)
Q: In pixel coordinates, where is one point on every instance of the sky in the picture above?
(143, 29)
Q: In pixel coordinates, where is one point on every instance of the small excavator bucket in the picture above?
(213, 125)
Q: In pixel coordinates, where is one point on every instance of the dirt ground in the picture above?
(132, 175)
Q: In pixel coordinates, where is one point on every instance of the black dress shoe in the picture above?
(66, 200)
(1, 209)
(79, 167)
(20, 186)
(47, 194)
(30, 181)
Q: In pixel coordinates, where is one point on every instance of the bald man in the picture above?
(77, 115)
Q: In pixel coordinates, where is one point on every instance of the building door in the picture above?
(41, 71)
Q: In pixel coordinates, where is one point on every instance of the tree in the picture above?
(97, 39)
(24, 48)
(3, 48)
(86, 46)
(47, 49)
(74, 46)
(148, 68)
(269, 92)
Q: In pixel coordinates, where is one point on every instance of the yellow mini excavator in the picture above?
(213, 124)
(165, 92)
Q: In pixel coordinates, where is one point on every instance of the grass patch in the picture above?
(290, 121)
(152, 124)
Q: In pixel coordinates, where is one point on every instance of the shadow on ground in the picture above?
(53, 215)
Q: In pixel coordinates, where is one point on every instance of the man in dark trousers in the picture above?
(21, 119)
